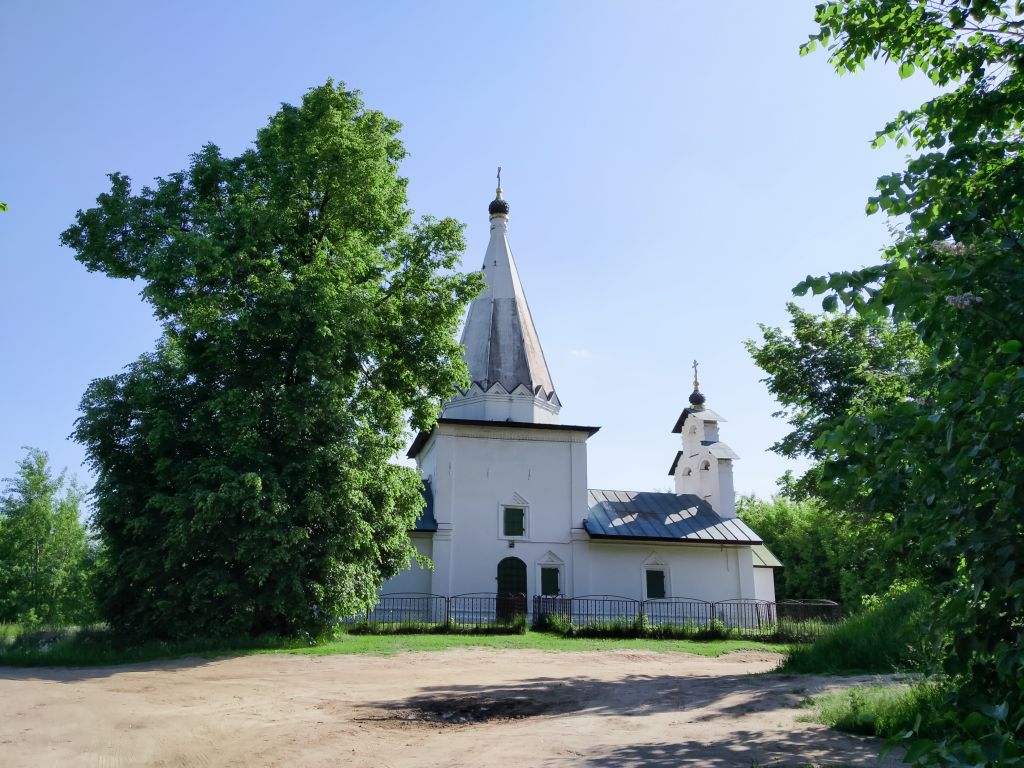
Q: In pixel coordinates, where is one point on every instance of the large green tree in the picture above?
(952, 461)
(824, 369)
(245, 481)
(46, 560)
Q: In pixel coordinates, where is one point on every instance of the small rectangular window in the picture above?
(549, 582)
(655, 584)
(514, 521)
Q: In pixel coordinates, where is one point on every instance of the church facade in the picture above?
(509, 509)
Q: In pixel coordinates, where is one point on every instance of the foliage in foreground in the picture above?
(47, 561)
(949, 461)
(102, 647)
(892, 634)
(244, 474)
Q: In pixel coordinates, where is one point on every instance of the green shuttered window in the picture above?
(514, 521)
(549, 582)
(655, 584)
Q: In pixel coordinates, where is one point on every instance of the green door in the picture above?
(549, 582)
(511, 576)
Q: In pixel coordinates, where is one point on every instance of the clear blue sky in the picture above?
(673, 170)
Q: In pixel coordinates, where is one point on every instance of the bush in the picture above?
(892, 633)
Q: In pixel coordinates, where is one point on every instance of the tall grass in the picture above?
(882, 710)
(890, 635)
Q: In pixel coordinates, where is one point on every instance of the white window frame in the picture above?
(551, 560)
(655, 563)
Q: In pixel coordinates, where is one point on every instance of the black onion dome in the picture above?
(697, 399)
(498, 206)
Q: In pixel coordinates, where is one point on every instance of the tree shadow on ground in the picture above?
(716, 706)
(706, 697)
(774, 749)
(80, 674)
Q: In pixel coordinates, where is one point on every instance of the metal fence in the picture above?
(679, 612)
(402, 609)
(478, 610)
(416, 610)
(603, 609)
(798, 620)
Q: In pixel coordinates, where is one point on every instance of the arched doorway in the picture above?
(511, 600)
(511, 576)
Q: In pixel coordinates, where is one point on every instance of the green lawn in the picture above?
(97, 648)
(386, 645)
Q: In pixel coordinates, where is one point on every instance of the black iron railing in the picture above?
(794, 620)
(478, 610)
(679, 612)
(406, 609)
(591, 610)
(761, 619)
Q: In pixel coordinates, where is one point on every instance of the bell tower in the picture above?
(703, 467)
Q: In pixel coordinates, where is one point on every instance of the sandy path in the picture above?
(622, 708)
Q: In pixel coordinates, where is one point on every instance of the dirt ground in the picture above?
(465, 707)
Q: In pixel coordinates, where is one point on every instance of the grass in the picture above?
(880, 710)
(886, 637)
(98, 647)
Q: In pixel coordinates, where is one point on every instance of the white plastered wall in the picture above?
(415, 578)
(479, 469)
(706, 572)
(764, 584)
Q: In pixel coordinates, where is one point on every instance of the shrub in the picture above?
(714, 630)
(892, 633)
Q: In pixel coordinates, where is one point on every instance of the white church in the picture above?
(509, 509)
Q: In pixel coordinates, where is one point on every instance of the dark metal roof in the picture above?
(704, 414)
(675, 463)
(421, 438)
(646, 515)
(426, 521)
